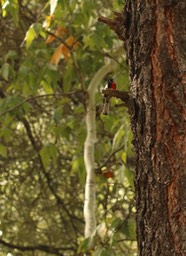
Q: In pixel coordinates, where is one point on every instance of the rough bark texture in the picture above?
(155, 41)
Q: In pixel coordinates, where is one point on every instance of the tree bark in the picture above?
(155, 41)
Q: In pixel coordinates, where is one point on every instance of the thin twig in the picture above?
(33, 98)
(109, 157)
(60, 39)
(39, 247)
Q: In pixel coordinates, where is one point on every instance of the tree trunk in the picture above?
(155, 41)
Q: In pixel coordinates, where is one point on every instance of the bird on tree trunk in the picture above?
(110, 86)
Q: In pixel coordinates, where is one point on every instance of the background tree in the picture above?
(50, 53)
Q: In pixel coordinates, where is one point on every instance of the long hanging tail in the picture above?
(105, 110)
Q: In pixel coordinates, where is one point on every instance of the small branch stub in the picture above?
(124, 96)
(114, 24)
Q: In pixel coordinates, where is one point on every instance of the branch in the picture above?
(114, 24)
(61, 40)
(33, 98)
(124, 96)
(37, 148)
(90, 185)
(108, 159)
(39, 247)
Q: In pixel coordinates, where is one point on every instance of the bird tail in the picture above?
(105, 110)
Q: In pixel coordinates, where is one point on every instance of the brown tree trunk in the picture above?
(155, 41)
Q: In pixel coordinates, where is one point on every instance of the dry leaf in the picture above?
(65, 51)
(108, 173)
(70, 41)
(49, 39)
(57, 55)
(59, 32)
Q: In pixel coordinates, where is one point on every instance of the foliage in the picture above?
(49, 54)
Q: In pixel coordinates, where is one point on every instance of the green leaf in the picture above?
(67, 132)
(129, 175)
(3, 150)
(116, 223)
(86, 244)
(45, 156)
(118, 137)
(6, 134)
(10, 55)
(58, 115)
(48, 153)
(5, 71)
(53, 152)
(48, 89)
(8, 103)
(124, 157)
(68, 77)
(101, 251)
(132, 228)
(75, 165)
(26, 106)
(12, 7)
(120, 174)
(30, 36)
(14, 11)
(129, 229)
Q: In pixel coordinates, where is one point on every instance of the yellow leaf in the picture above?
(47, 21)
(49, 39)
(71, 42)
(57, 55)
(65, 51)
(58, 32)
